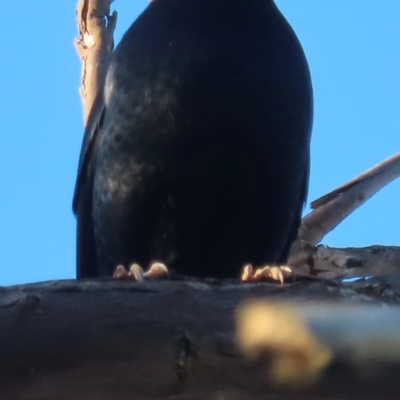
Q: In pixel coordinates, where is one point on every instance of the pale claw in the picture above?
(247, 273)
(156, 270)
(120, 272)
(136, 272)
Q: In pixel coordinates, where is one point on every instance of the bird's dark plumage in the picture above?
(196, 152)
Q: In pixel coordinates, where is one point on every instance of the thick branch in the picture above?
(94, 45)
(117, 339)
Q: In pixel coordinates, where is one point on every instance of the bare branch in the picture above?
(94, 45)
(329, 262)
(335, 206)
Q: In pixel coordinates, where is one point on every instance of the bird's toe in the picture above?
(275, 273)
(135, 272)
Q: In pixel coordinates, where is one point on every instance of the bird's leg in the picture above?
(156, 270)
(275, 273)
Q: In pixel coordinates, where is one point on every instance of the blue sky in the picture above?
(353, 50)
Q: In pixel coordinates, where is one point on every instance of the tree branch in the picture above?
(94, 45)
(334, 207)
(113, 339)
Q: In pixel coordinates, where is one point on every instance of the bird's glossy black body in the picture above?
(197, 151)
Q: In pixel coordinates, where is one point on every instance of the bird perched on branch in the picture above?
(196, 152)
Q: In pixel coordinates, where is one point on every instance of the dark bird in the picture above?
(196, 152)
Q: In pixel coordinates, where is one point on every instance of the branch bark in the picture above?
(94, 45)
(332, 263)
(103, 339)
(334, 207)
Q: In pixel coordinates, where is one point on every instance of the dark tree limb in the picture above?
(108, 339)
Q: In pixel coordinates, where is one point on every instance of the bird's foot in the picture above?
(266, 273)
(156, 270)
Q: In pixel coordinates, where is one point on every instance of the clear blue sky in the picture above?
(353, 51)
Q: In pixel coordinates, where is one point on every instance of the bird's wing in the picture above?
(82, 204)
(296, 219)
(87, 151)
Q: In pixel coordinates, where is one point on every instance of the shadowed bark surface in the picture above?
(108, 339)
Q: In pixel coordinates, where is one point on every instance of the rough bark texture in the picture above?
(331, 263)
(108, 339)
(94, 45)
